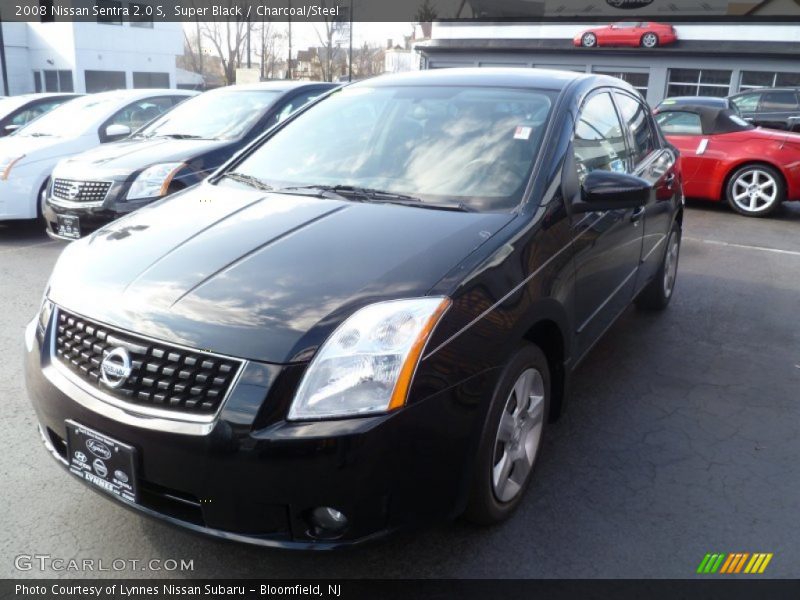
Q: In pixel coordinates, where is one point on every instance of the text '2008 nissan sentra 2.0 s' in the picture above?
(367, 318)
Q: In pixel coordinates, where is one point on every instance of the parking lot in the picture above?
(682, 437)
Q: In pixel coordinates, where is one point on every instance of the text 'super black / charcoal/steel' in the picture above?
(367, 318)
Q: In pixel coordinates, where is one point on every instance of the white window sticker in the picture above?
(701, 147)
(522, 133)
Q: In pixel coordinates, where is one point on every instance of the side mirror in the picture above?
(609, 190)
(117, 131)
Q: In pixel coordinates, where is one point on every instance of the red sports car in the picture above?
(724, 157)
(627, 33)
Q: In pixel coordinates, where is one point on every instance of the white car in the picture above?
(28, 156)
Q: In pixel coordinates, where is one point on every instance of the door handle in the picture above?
(637, 214)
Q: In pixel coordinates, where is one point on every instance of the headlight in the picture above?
(153, 181)
(366, 365)
(44, 315)
(6, 163)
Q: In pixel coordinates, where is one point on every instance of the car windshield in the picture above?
(71, 118)
(222, 114)
(12, 103)
(472, 147)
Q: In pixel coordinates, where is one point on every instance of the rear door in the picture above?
(776, 108)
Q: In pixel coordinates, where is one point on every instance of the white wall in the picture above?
(20, 79)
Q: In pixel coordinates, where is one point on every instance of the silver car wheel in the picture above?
(754, 190)
(649, 40)
(589, 40)
(671, 264)
(518, 435)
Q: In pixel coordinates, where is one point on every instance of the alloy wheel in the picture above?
(754, 190)
(649, 40)
(671, 264)
(518, 435)
(589, 40)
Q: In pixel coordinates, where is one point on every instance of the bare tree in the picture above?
(228, 38)
(328, 50)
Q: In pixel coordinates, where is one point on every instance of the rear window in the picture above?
(679, 123)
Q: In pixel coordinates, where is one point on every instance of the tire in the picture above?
(755, 190)
(496, 492)
(657, 294)
(40, 204)
(649, 40)
(588, 40)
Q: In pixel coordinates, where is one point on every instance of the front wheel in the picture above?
(40, 204)
(512, 437)
(657, 294)
(589, 40)
(649, 40)
(755, 190)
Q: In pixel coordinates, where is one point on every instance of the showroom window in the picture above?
(144, 79)
(698, 82)
(103, 81)
(638, 81)
(52, 81)
(757, 79)
(109, 12)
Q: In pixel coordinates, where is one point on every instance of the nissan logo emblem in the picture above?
(73, 190)
(115, 368)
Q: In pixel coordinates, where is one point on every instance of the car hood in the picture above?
(259, 276)
(128, 156)
(34, 148)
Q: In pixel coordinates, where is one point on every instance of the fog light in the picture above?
(328, 522)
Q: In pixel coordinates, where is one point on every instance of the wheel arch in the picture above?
(549, 331)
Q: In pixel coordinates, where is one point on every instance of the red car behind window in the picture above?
(627, 33)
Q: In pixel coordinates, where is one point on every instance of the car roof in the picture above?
(766, 89)
(43, 95)
(278, 86)
(483, 76)
(133, 94)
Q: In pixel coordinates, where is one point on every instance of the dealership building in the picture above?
(709, 59)
(93, 56)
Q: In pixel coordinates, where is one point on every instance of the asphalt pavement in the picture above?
(682, 437)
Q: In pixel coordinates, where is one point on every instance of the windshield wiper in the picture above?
(363, 194)
(254, 182)
(178, 136)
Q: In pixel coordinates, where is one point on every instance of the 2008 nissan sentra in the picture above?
(368, 318)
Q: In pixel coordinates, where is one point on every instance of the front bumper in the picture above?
(92, 215)
(253, 477)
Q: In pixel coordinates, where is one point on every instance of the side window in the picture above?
(138, 113)
(295, 103)
(778, 101)
(679, 123)
(637, 118)
(747, 102)
(598, 142)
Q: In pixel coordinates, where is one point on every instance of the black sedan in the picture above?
(173, 152)
(368, 318)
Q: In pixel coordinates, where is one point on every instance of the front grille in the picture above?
(162, 376)
(80, 191)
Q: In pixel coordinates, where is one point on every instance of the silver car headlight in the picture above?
(154, 181)
(366, 365)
